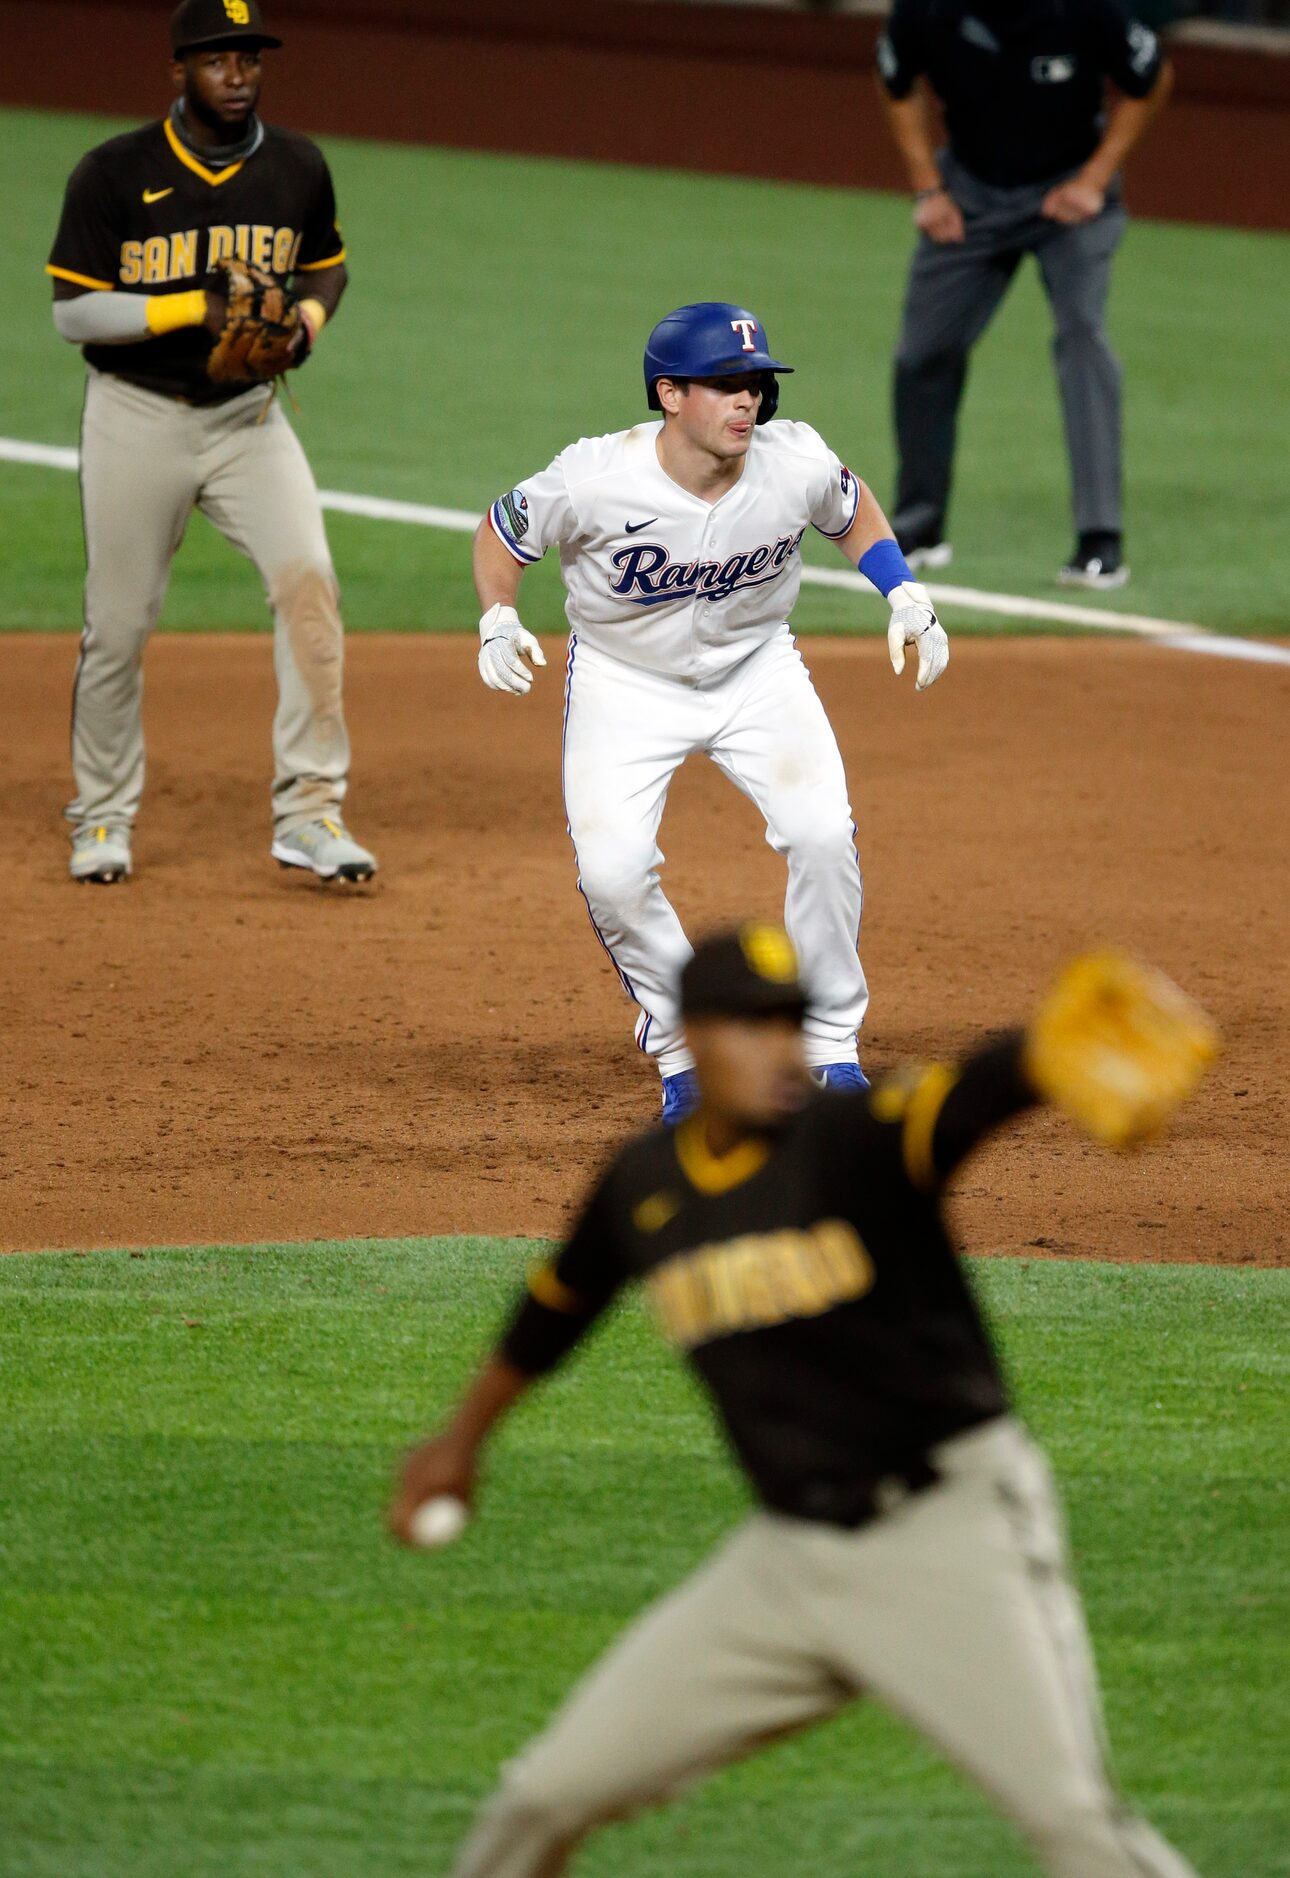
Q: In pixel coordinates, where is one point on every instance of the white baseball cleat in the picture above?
(327, 849)
(940, 554)
(100, 852)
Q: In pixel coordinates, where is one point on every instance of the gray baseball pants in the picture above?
(953, 293)
(146, 462)
(954, 1610)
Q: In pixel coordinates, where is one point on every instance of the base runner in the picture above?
(171, 267)
(909, 1543)
(680, 549)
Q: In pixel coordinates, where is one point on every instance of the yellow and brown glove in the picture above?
(1118, 1046)
(263, 334)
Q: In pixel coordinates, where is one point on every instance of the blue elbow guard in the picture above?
(885, 566)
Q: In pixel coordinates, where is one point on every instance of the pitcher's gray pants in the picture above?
(146, 462)
(953, 293)
(954, 1610)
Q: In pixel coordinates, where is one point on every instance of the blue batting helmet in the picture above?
(711, 339)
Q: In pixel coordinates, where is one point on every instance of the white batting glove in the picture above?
(914, 623)
(505, 646)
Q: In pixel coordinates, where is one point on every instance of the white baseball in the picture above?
(438, 1521)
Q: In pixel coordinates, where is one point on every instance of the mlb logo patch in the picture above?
(846, 480)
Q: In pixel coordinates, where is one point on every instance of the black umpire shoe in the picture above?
(1098, 561)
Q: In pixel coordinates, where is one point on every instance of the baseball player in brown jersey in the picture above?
(169, 237)
(909, 1543)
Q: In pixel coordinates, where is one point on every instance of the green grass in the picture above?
(498, 310)
(215, 1664)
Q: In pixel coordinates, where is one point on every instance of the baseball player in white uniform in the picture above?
(680, 548)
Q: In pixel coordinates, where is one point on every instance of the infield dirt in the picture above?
(220, 1051)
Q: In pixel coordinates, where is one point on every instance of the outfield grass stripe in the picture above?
(1177, 635)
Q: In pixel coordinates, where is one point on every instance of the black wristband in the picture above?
(925, 195)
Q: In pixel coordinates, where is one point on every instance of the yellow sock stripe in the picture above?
(921, 1112)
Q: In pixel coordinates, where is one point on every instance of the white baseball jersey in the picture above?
(661, 579)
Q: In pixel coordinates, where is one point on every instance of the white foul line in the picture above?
(1178, 635)
(1013, 606)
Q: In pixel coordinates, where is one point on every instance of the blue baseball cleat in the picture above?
(680, 1096)
(840, 1076)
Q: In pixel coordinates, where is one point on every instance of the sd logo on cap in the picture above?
(199, 23)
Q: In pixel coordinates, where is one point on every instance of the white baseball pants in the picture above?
(626, 733)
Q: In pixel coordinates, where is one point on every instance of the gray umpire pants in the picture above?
(146, 462)
(953, 292)
(955, 1610)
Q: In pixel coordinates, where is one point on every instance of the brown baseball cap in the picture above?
(198, 23)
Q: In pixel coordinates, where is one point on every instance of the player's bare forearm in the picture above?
(908, 120)
(870, 526)
(1126, 127)
(936, 214)
(497, 1386)
(448, 1463)
(497, 573)
(1083, 196)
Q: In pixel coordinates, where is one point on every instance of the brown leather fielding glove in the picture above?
(1118, 1046)
(262, 333)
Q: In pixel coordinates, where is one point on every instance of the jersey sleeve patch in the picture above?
(845, 501)
(897, 54)
(834, 508)
(510, 518)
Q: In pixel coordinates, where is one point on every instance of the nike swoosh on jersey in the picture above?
(634, 528)
(155, 195)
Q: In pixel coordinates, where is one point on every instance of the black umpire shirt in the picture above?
(1021, 80)
(808, 1277)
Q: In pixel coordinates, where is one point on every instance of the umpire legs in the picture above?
(1075, 265)
(954, 290)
